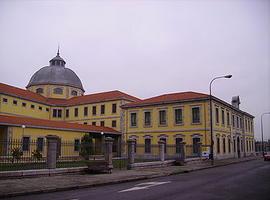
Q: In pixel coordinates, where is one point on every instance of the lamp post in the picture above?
(211, 117)
(267, 113)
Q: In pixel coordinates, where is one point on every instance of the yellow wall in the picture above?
(67, 138)
(10, 108)
(107, 117)
(48, 91)
(187, 130)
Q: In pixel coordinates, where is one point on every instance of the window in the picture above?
(26, 143)
(76, 145)
(147, 145)
(178, 116)
(147, 118)
(54, 112)
(114, 123)
(196, 115)
(246, 125)
(165, 144)
(162, 117)
(85, 111)
(15, 102)
(94, 123)
(133, 119)
(47, 109)
(76, 112)
(114, 108)
(233, 121)
(33, 106)
(57, 113)
(85, 123)
(40, 108)
(178, 142)
(40, 142)
(237, 121)
(224, 145)
(5, 100)
(228, 119)
(218, 145)
(251, 126)
(58, 91)
(217, 115)
(102, 123)
(74, 93)
(102, 110)
(67, 113)
(94, 110)
(241, 125)
(23, 104)
(222, 117)
(39, 90)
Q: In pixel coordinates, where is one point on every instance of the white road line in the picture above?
(143, 186)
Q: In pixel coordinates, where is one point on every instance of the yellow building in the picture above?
(55, 94)
(185, 117)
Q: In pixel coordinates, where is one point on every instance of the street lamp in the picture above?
(211, 118)
(267, 113)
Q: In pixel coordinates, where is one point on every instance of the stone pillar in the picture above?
(161, 145)
(182, 155)
(108, 151)
(51, 151)
(131, 153)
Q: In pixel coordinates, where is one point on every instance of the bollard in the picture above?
(51, 151)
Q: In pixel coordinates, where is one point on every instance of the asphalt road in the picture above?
(248, 180)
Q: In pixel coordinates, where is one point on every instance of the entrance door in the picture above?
(238, 147)
(196, 145)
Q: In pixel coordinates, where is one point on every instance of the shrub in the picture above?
(37, 155)
(86, 146)
(16, 154)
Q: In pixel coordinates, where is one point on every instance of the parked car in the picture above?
(267, 156)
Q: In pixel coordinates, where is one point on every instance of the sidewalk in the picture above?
(23, 186)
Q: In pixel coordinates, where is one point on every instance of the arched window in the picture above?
(74, 93)
(39, 90)
(58, 91)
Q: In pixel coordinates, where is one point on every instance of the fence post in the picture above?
(131, 153)
(108, 151)
(51, 151)
(182, 154)
(161, 145)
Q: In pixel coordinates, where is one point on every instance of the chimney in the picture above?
(236, 101)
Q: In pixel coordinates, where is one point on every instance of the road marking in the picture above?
(143, 186)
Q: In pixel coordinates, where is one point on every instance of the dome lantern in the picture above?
(57, 60)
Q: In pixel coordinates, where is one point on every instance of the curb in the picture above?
(120, 181)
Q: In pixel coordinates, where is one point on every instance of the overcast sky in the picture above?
(145, 48)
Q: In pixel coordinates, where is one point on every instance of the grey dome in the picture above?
(56, 74)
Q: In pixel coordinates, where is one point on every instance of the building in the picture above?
(55, 102)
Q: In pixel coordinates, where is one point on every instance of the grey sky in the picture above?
(145, 48)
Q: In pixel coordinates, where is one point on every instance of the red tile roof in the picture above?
(168, 98)
(91, 98)
(50, 124)
(94, 98)
(21, 93)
